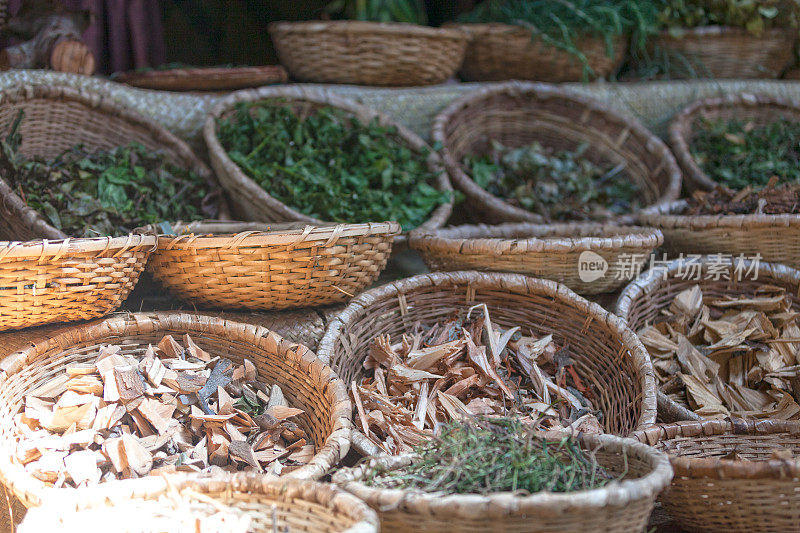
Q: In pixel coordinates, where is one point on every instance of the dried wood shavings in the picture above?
(732, 355)
(467, 366)
(174, 408)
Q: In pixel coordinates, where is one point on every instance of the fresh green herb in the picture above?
(330, 166)
(410, 11)
(104, 193)
(558, 186)
(753, 15)
(561, 22)
(483, 456)
(737, 153)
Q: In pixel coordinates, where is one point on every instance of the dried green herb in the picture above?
(483, 456)
(330, 166)
(556, 185)
(737, 153)
(105, 193)
(409, 11)
(753, 15)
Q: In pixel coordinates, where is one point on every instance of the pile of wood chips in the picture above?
(467, 366)
(732, 355)
(173, 409)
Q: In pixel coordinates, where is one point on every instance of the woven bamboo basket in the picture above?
(57, 118)
(773, 237)
(368, 53)
(75, 279)
(608, 356)
(518, 114)
(724, 52)
(307, 383)
(260, 266)
(175, 504)
(642, 301)
(761, 110)
(254, 203)
(204, 79)
(711, 494)
(622, 506)
(551, 252)
(498, 52)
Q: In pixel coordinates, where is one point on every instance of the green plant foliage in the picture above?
(330, 166)
(410, 11)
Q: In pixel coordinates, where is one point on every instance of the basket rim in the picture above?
(681, 128)
(67, 247)
(509, 282)
(447, 239)
(473, 100)
(714, 467)
(717, 30)
(32, 491)
(668, 216)
(367, 27)
(456, 505)
(233, 172)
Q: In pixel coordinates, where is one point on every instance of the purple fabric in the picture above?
(125, 34)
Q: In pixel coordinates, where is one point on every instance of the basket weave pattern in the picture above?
(518, 114)
(368, 53)
(619, 507)
(549, 252)
(205, 79)
(306, 382)
(309, 266)
(730, 496)
(498, 52)
(74, 279)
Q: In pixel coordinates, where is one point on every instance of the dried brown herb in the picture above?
(772, 200)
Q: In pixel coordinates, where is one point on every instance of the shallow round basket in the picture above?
(368, 53)
(643, 300)
(73, 279)
(205, 78)
(56, 119)
(498, 52)
(177, 503)
(619, 507)
(607, 355)
(260, 266)
(307, 383)
(555, 252)
(518, 114)
(760, 110)
(253, 203)
(711, 494)
(724, 52)
(775, 238)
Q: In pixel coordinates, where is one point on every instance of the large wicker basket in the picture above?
(711, 494)
(723, 52)
(75, 279)
(306, 382)
(258, 266)
(759, 110)
(620, 507)
(775, 238)
(368, 53)
(553, 252)
(156, 502)
(517, 114)
(254, 203)
(608, 356)
(58, 118)
(498, 52)
(642, 301)
(204, 78)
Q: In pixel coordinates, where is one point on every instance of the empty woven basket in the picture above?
(177, 504)
(57, 118)
(306, 382)
(260, 266)
(607, 355)
(711, 493)
(518, 114)
(620, 507)
(368, 53)
(553, 252)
